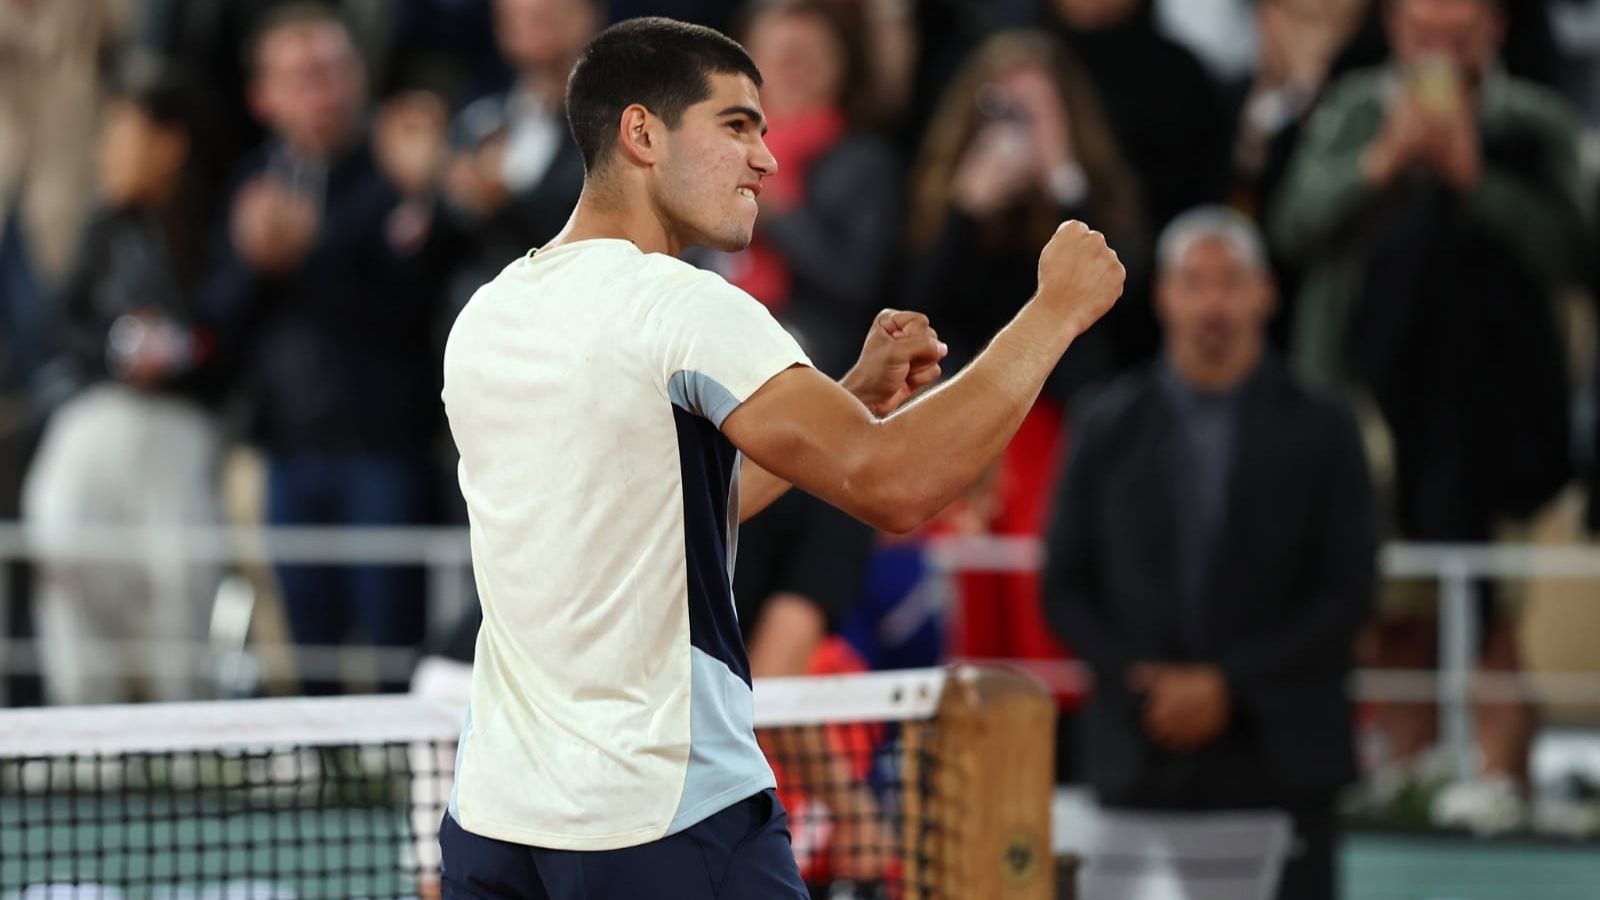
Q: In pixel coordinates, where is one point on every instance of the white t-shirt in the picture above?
(586, 386)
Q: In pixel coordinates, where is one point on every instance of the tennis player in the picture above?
(603, 395)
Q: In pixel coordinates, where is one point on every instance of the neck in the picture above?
(1217, 375)
(309, 147)
(603, 212)
(155, 197)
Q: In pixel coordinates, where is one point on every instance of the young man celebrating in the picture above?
(602, 394)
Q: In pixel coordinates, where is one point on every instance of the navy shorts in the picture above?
(741, 853)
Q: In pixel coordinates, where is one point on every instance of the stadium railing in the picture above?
(445, 554)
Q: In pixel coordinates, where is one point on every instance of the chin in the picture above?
(731, 243)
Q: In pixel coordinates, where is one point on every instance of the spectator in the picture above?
(135, 447)
(516, 174)
(50, 96)
(323, 296)
(1529, 49)
(50, 101)
(830, 216)
(1212, 557)
(1299, 40)
(1018, 145)
(441, 45)
(1435, 204)
(1166, 111)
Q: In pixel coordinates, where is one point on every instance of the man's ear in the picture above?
(638, 135)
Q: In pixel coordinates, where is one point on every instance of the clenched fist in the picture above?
(899, 357)
(1079, 276)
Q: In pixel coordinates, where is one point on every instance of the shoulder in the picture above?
(1319, 413)
(480, 119)
(676, 281)
(1105, 407)
(1350, 108)
(1356, 88)
(1535, 104)
(676, 285)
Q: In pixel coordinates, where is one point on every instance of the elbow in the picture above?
(897, 504)
(900, 521)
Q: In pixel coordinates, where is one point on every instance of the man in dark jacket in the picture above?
(1212, 558)
(322, 301)
(516, 173)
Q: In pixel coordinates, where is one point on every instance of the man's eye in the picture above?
(738, 125)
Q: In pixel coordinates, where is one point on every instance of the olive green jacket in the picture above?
(1324, 211)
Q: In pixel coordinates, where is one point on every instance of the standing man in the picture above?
(1212, 558)
(602, 394)
(516, 173)
(322, 302)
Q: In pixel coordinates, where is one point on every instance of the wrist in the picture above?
(1046, 326)
(859, 386)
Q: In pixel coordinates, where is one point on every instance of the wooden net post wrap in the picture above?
(992, 780)
(929, 784)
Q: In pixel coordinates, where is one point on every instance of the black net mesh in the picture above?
(307, 821)
(862, 808)
(301, 822)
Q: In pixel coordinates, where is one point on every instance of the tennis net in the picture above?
(915, 784)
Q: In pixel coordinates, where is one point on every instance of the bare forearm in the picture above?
(897, 472)
(758, 489)
(941, 443)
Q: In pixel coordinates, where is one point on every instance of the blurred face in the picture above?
(536, 34)
(800, 61)
(308, 86)
(1214, 304)
(1280, 24)
(1465, 31)
(1032, 91)
(710, 169)
(139, 160)
(1090, 14)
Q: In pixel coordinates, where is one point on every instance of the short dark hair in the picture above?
(661, 64)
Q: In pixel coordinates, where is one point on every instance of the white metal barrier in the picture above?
(446, 556)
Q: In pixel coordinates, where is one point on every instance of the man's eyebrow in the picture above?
(754, 115)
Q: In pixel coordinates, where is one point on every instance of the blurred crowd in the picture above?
(1360, 261)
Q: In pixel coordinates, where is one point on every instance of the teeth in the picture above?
(746, 192)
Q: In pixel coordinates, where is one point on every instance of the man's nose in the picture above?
(762, 160)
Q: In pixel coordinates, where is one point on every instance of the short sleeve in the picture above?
(718, 345)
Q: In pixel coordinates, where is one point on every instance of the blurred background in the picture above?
(1305, 524)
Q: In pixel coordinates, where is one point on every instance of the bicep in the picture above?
(804, 428)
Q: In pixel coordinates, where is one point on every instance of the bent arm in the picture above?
(897, 472)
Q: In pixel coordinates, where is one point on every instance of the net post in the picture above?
(993, 784)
